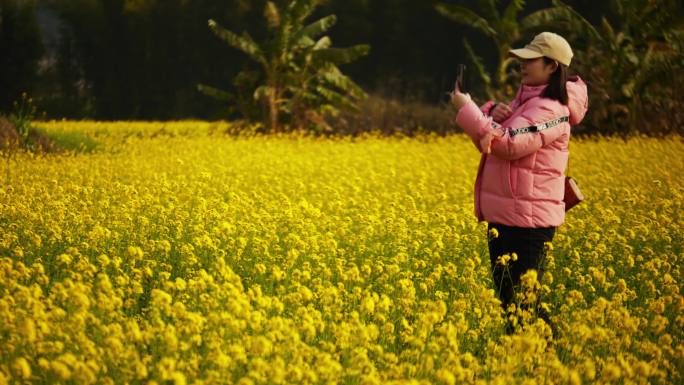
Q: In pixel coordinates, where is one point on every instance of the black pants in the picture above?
(528, 244)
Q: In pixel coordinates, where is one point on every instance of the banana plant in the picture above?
(630, 63)
(302, 79)
(504, 29)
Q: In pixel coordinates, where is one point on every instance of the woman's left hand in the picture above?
(459, 99)
(486, 141)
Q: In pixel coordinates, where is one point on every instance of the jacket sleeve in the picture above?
(523, 144)
(487, 107)
(474, 122)
(468, 118)
(477, 126)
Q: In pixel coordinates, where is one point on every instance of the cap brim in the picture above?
(524, 53)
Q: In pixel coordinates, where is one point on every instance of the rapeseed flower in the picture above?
(197, 258)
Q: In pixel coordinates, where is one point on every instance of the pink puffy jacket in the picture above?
(521, 181)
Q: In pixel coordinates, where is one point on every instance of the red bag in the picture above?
(573, 195)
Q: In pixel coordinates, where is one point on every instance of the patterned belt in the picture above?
(539, 127)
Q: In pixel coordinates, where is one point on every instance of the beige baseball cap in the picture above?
(546, 44)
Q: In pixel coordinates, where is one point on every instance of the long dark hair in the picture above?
(556, 89)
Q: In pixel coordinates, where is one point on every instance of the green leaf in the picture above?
(334, 97)
(512, 10)
(342, 55)
(578, 22)
(261, 92)
(272, 15)
(489, 7)
(628, 89)
(660, 66)
(335, 77)
(322, 43)
(544, 18)
(302, 94)
(477, 62)
(304, 37)
(299, 10)
(214, 92)
(466, 17)
(283, 35)
(315, 29)
(617, 6)
(303, 43)
(608, 31)
(632, 58)
(244, 43)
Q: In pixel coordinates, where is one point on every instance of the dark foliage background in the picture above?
(142, 59)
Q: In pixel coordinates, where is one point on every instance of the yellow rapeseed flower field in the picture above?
(171, 253)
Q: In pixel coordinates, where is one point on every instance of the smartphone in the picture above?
(460, 72)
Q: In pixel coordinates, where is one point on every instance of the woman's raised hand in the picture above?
(501, 112)
(486, 140)
(459, 99)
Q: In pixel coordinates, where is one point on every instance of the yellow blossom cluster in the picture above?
(172, 253)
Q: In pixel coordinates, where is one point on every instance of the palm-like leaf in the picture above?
(509, 27)
(617, 6)
(489, 9)
(334, 97)
(244, 43)
(342, 55)
(316, 28)
(272, 15)
(467, 17)
(556, 17)
(511, 12)
(608, 32)
(214, 92)
(335, 77)
(303, 43)
(322, 43)
(261, 92)
(299, 10)
(477, 61)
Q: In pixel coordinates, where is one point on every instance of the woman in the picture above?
(520, 181)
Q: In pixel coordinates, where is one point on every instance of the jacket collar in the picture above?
(578, 102)
(526, 92)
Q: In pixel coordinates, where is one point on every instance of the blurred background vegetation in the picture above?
(160, 60)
